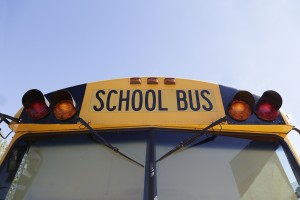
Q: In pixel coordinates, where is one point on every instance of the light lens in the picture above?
(239, 110)
(62, 105)
(169, 81)
(135, 80)
(64, 109)
(37, 110)
(266, 111)
(35, 105)
(152, 80)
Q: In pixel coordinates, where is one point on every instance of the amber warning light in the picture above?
(241, 106)
(63, 105)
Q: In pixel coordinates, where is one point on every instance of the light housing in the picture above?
(63, 105)
(241, 106)
(267, 107)
(35, 104)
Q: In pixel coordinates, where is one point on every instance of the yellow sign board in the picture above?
(119, 102)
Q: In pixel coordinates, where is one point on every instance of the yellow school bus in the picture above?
(148, 138)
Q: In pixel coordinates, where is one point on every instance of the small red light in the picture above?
(135, 80)
(152, 80)
(169, 81)
(266, 111)
(37, 110)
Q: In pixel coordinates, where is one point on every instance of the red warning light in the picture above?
(35, 105)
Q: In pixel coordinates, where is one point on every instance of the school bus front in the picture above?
(150, 138)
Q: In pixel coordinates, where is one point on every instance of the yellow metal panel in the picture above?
(280, 130)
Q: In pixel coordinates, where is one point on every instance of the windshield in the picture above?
(77, 167)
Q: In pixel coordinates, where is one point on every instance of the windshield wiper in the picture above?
(188, 141)
(206, 140)
(100, 139)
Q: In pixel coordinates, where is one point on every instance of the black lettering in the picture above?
(160, 107)
(152, 107)
(197, 100)
(108, 100)
(140, 100)
(210, 105)
(126, 99)
(101, 106)
(181, 98)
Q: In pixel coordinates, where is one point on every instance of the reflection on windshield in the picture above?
(227, 168)
(255, 164)
(224, 168)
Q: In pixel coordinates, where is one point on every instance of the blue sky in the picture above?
(52, 44)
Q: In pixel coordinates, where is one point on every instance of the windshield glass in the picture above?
(77, 167)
